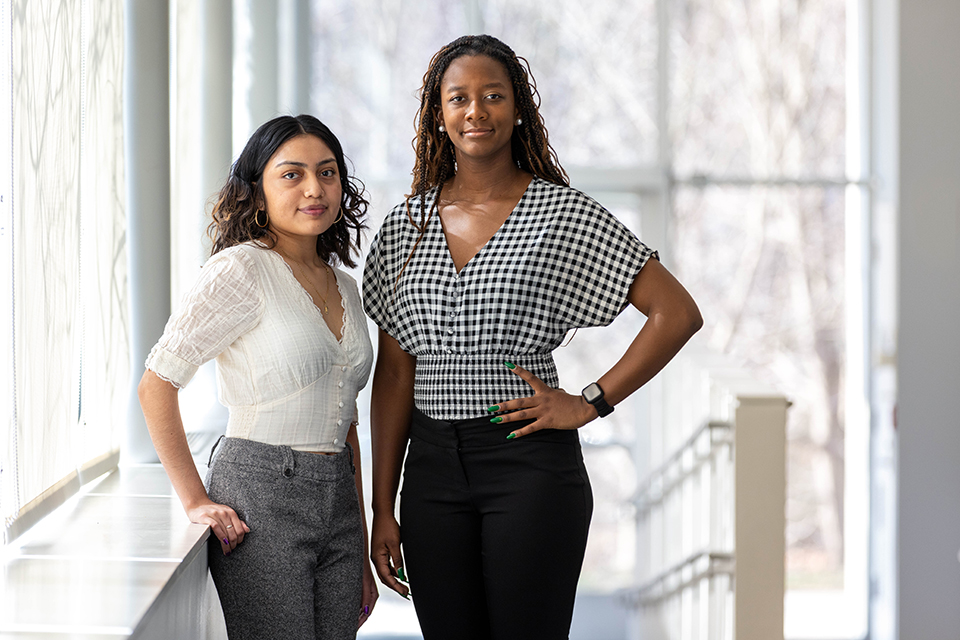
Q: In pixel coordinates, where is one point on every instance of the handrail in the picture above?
(721, 434)
(712, 513)
(717, 563)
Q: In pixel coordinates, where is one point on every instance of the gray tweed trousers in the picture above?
(298, 573)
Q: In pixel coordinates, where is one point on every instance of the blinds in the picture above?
(66, 291)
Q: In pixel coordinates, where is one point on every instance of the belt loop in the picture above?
(289, 461)
(214, 448)
(353, 468)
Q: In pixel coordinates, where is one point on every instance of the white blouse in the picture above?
(281, 372)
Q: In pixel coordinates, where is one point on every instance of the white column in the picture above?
(216, 25)
(473, 9)
(880, 17)
(294, 74)
(216, 149)
(256, 94)
(928, 408)
(147, 151)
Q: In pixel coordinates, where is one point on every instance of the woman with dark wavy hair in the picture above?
(474, 280)
(283, 492)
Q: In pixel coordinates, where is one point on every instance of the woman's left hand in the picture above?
(370, 594)
(548, 408)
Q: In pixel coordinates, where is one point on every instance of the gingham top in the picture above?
(281, 372)
(560, 261)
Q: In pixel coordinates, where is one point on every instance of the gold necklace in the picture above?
(313, 285)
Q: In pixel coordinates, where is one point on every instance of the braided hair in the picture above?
(435, 158)
(235, 211)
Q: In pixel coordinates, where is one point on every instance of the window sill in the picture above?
(109, 563)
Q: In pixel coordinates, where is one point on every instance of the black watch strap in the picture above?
(593, 394)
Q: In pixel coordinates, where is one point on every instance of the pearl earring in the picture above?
(519, 121)
(441, 128)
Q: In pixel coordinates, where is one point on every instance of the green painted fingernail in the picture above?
(497, 420)
(400, 573)
(495, 407)
(511, 436)
(509, 365)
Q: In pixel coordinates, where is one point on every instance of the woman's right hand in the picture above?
(385, 553)
(223, 521)
(161, 409)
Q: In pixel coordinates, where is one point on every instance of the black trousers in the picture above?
(493, 530)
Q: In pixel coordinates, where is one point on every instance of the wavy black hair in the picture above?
(235, 212)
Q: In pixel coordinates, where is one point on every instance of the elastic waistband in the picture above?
(283, 459)
(479, 432)
(490, 359)
(461, 386)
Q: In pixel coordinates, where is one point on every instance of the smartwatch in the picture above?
(593, 394)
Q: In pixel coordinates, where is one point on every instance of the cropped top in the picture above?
(281, 372)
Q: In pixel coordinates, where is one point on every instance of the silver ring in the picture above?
(229, 526)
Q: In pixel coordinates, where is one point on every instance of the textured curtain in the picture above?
(105, 356)
(69, 370)
(8, 478)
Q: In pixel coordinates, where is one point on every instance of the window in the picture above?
(727, 135)
(729, 128)
(64, 296)
(767, 235)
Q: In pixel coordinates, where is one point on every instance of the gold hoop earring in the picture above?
(266, 219)
(339, 218)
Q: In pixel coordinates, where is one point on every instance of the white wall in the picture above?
(928, 413)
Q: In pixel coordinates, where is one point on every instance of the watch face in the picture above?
(592, 392)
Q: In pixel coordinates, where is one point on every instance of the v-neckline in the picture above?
(309, 299)
(473, 258)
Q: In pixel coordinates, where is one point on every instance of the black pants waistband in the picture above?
(479, 432)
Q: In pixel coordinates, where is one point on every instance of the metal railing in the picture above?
(710, 510)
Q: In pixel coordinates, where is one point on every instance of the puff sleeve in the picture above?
(226, 302)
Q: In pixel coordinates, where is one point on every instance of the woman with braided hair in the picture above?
(473, 281)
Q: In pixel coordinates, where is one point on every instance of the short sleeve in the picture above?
(381, 269)
(226, 302)
(601, 259)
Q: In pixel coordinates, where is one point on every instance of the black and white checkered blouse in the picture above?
(560, 261)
